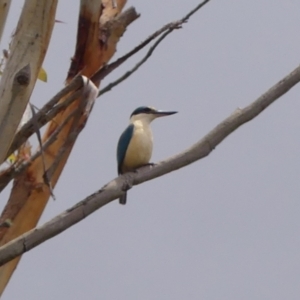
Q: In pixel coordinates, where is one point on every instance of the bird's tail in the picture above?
(122, 199)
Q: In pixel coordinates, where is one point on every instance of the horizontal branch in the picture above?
(115, 188)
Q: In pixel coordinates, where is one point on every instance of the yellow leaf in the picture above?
(12, 158)
(42, 75)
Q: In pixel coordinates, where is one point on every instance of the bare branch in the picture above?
(48, 112)
(168, 28)
(87, 99)
(114, 189)
(135, 68)
(39, 137)
(13, 171)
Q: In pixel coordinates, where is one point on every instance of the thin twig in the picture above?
(14, 171)
(135, 68)
(48, 111)
(168, 28)
(73, 133)
(39, 137)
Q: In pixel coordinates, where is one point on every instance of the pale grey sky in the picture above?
(226, 227)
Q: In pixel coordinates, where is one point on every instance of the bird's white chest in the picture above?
(139, 150)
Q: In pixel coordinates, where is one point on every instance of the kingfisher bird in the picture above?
(136, 142)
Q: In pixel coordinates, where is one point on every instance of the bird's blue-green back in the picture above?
(123, 143)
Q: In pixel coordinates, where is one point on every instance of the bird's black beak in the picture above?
(161, 113)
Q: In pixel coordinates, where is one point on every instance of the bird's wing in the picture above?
(123, 145)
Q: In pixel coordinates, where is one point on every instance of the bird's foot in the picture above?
(149, 164)
(127, 184)
(144, 167)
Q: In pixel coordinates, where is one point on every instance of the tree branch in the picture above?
(85, 106)
(135, 68)
(115, 188)
(48, 112)
(168, 28)
(7, 175)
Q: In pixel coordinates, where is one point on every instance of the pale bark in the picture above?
(28, 49)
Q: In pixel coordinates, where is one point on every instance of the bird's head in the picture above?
(148, 114)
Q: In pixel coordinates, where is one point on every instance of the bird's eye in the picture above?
(147, 110)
